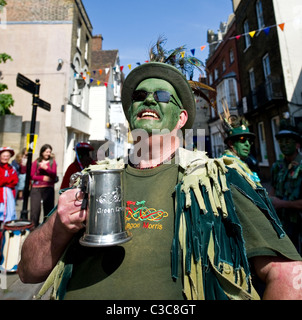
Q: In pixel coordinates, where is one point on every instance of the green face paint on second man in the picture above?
(242, 147)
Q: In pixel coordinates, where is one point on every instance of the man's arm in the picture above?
(44, 246)
(279, 203)
(283, 278)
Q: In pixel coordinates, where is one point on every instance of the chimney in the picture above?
(97, 42)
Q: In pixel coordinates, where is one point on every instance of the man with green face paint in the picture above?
(197, 223)
(286, 192)
(239, 141)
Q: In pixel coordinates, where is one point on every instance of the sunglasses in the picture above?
(159, 96)
(244, 139)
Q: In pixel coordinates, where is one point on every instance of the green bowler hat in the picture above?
(161, 71)
(239, 132)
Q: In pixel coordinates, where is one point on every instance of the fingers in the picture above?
(69, 210)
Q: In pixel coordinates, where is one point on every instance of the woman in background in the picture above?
(20, 164)
(43, 175)
(8, 182)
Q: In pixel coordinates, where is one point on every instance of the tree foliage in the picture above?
(6, 100)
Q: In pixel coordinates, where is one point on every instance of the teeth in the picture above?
(149, 114)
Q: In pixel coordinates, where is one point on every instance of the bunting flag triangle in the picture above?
(202, 48)
(121, 67)
(100, 71)
(91, 80)
(182, 53)
(106, 84)
(106, 70)
(238, 37)
(129, 66)
(193, 52)
(98, 82)
(252, 33)
(281, 26)
(138, 63)
(266, 30)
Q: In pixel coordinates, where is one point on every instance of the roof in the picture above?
(100, 60)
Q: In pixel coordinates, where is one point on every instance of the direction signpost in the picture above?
(33, 88)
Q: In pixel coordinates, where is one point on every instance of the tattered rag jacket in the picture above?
(207, 230)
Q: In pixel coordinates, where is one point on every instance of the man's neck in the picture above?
(161, 149)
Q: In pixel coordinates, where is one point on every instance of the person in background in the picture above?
(8, 182)
(286, 192)
(43, 175)
(82, 160)
(239, 140)
(20, 163)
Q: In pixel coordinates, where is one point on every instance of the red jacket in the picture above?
(8, 178)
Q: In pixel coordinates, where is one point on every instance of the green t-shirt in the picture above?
(140, 268)
(258, 233)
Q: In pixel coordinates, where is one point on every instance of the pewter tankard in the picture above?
(105, 223)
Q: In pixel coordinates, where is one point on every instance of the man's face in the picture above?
(150, 114)
(242, 147)
(288, 146)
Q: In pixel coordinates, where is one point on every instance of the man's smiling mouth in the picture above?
(148, 114)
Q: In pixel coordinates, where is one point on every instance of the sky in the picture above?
(133, 26)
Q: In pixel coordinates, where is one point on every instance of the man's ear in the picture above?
(183, 118)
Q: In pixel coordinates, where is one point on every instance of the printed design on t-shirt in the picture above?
(143, 213)
(139, 212)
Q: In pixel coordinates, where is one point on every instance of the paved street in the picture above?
(11, 287)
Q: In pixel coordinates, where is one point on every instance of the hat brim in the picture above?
(233, 137)
(12, 152)
(290, 134)
(165, 72)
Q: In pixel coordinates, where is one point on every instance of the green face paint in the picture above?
(242, 148)
(287, 146)
(150, 114)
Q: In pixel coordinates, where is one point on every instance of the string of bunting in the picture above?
(237, 37)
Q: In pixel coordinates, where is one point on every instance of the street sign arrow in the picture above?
(26, 84)
(44, 105)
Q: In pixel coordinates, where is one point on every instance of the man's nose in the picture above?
(150, 99)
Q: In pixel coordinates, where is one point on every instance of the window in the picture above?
(259, 12)
(275, 125)
(231, 56)
(79, 34)
(218, 145)
(86, 48)
(247, 39)
(227, 94)
(210, 78)
(216, 74)
(267, 76)
(223, 65)
(262, 142)
(253, 87)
